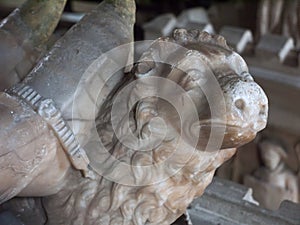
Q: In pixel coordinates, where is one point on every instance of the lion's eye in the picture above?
(246, 76)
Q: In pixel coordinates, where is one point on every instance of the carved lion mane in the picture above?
(110, 203)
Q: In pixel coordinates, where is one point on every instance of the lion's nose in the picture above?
(248, 104)
(244, 106)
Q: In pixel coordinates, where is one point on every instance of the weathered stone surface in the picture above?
(236, 37)
(162, 25)
(225, 202)
(274, 46)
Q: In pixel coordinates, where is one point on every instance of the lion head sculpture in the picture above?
(161, 130)
(162, 138)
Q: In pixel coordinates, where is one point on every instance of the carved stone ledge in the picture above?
(227, 203)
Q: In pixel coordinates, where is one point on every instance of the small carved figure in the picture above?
(273, 182)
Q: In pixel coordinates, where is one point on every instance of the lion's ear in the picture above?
(154, 122)
(145, 111)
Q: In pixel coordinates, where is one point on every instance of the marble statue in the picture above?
(273, 182)
(66, 155)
